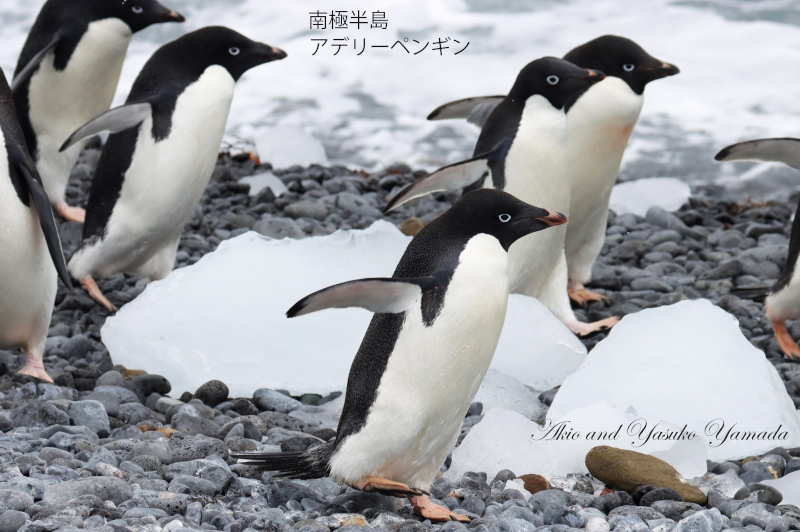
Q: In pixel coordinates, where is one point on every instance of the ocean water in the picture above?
(739, 61)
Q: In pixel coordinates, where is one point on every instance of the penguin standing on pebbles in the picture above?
(68, 73)
(600, 126)
(435, 330)
(783, 298)
(31, 259)
(157, 163)
(524, 150)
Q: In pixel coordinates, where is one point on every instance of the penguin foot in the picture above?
(587, 329)
(784, 339)
(387, 487)
(90, 285)
(71, 214)
(34, 368)
(580, 295)
(424, 507)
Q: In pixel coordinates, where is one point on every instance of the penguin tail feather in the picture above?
(759, 293)
(314, 463)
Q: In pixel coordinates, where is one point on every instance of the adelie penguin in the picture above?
(783, 298)
(523, 150)
(435, 330)
(68, 73)
(600, 125)
(160, 156)
(31, 259)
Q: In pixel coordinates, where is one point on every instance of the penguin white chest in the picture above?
(432, 375)
(599, 127)
(60, 101)
(28, 280)
(535, 164)
(167, 177)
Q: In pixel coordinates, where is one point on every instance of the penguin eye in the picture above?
(552, 80)
(233, 51)
(505, 218)
(628, 67)
(137, 9)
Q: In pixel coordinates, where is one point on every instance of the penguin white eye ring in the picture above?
(552, 80)
(137, 9)
(628, 67)
(505, 218)
(234, 51)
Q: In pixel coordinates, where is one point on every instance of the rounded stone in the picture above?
(12, 520)
(212, 393)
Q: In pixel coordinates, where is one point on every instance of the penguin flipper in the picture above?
(26, 73)
(782, 150)
(452, 177)
(758, 293)
(464, 108)
(378, 295)
(46, 220)
(113, 120)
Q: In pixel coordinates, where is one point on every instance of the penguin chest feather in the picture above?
(535, 172)
(28, 281)
(599, 128)
(432, 375)
(60, 101)
(166, 178)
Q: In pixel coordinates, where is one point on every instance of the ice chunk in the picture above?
(285, 146)
(224, 318)
(688, 364)
(259, 182)
(789, 486)
(519, 485)
(507, 440)
(637, 196)
(536, 348)
(501, 391)
(728, 483)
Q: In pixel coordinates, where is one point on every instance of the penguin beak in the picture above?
(594, 76)
(553, 218)
(174, 16)
(663, 70)
(270, 53)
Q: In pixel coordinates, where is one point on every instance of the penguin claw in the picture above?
(90, 285)
(427, 509)
(582, 296)
(71, 214)
(387, 487)
(784, 339)
(585, 330)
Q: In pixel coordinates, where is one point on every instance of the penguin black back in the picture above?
(622, 58)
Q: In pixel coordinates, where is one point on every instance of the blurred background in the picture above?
(739, 61)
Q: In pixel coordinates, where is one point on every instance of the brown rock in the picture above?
(535, 483)
(412, 226)
(167, 432)
(129, 374)
(624, 470)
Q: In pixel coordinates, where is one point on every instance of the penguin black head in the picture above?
(496, 213)
(137, 14)
(560, 81)
(621, 58)
(217, 45)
